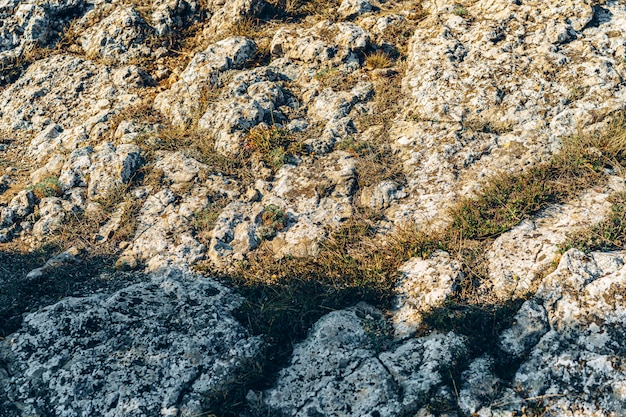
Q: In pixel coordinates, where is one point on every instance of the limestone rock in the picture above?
(51, 217)
(519, 257)
(352, 8)
(571, 336)
(251, 98)
(182, 102)
(68, 98)
(169, 15)
(314, 195)
(502, 90)
(111, 168)
(235, 233)
(159, 347)
(119, 36)
(164, 234)
(333, 109)
(423, 285)
(28, 23)
(337, 372)
(179, 168)
(381, 196)
(326, 43)
(226, 14)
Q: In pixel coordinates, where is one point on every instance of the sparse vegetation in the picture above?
(356, 263)
(48, 187)
(378, 59)
(273, 220)
(273, 144)
(461, 10)
(487, 125)
(245, 26)
(334, 78)
(609, 234)
(323, 9)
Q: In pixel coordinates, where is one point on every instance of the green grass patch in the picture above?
(48, 187)
(506, 199)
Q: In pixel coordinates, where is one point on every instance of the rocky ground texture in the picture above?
(286, 208)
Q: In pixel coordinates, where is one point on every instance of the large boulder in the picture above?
(338, 371)
(161, 347)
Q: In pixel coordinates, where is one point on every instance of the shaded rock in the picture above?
(160, 347)
(51, 217)
(571, 336)
(530, 324)
(336, 370)
(61, 260)
(479, 385)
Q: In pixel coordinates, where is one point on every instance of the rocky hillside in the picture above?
(306, 208)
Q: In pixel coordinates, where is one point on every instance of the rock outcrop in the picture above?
(317, 144)
(163, 346)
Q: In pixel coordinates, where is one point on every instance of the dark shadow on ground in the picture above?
(19, 295)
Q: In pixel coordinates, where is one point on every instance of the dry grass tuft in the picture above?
(48, 187)
(378, 59)
(273, 144)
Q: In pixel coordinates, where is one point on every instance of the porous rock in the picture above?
(159, 347)
(570, 336)
(424, 284)
(182, 102)
(336, 371)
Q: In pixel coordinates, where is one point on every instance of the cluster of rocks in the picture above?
(481, 88)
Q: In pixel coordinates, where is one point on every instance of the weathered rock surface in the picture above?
(123, 114)
(120, 36)
(181, 102)
(519, 257)
(160, 347)
(30, 23)
(492, 89)
(570, 338)
(66, 97)
(423, 285)
(338, 371)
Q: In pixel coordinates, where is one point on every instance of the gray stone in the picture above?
(336, 371)
(352, 8)
(159, 347)
(182, 103)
